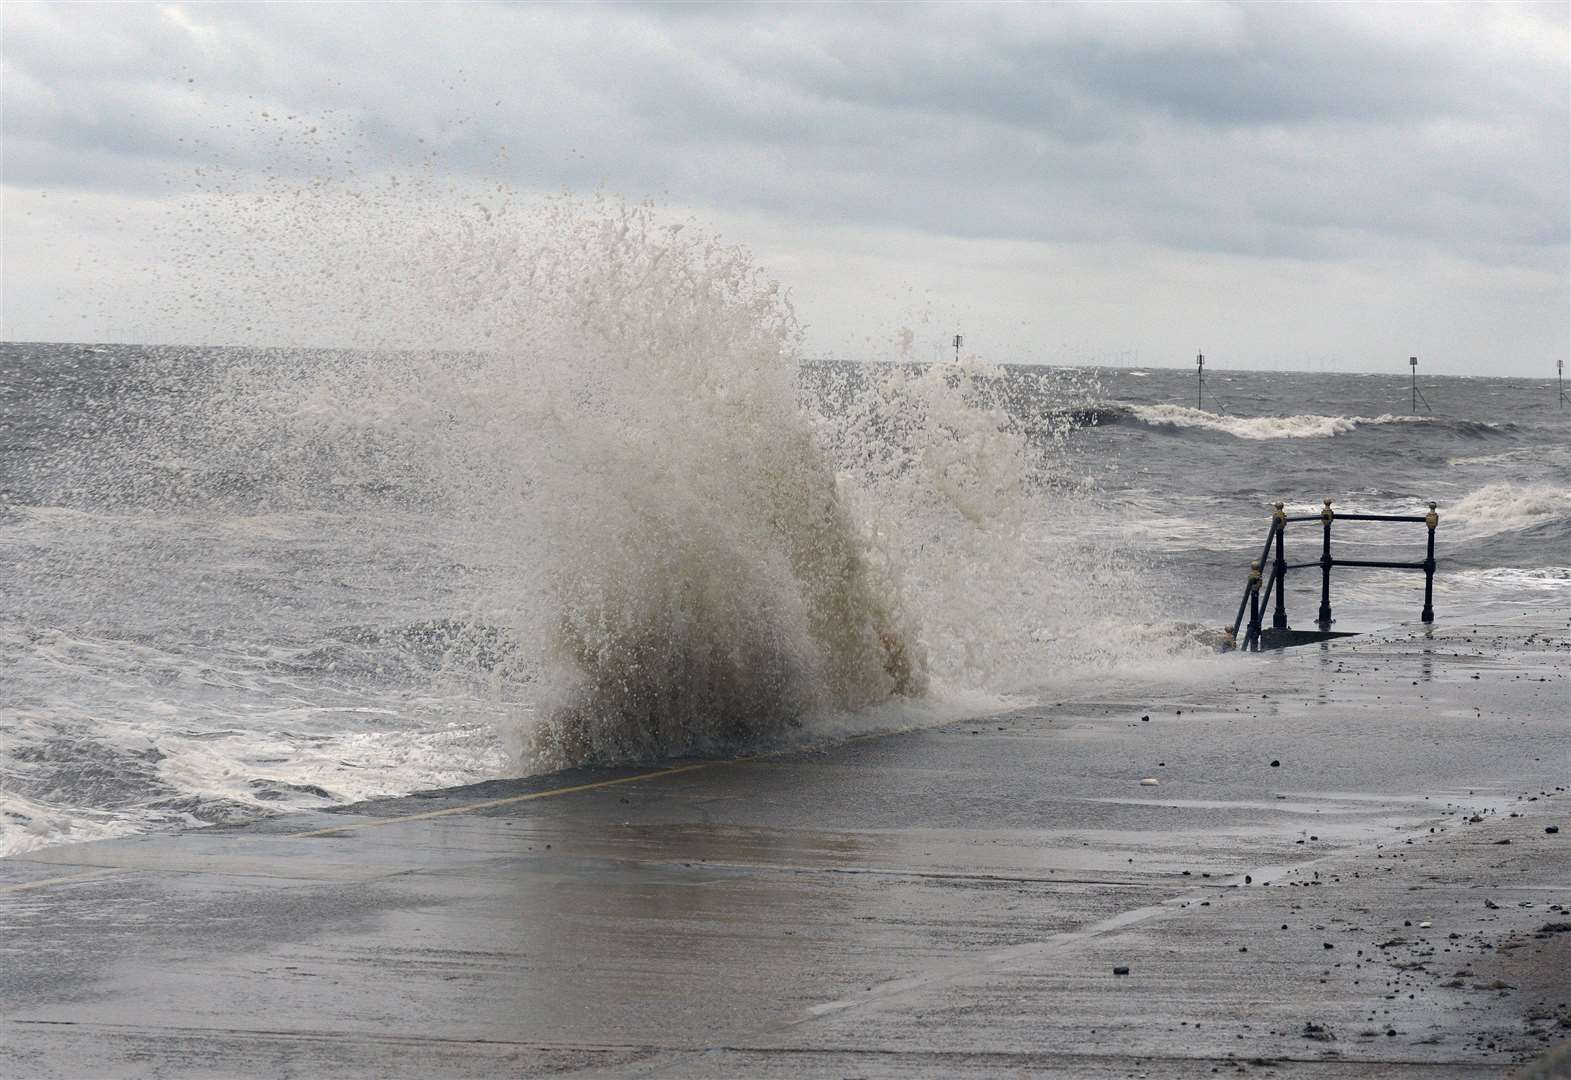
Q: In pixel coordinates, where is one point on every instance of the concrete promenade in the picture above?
(1343, 870)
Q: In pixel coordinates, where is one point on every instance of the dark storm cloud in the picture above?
(1304, 130)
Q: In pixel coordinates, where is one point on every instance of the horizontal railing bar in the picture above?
(1256, 600)
(1379, 517)
(1360, 517)
(1357, 562)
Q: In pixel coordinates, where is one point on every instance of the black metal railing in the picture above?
(1255, 602)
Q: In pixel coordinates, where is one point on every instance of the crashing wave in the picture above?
(1306, 426)
(692, 539)
(1509, 504)
(1302, 426)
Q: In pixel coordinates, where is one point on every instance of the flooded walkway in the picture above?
(1342, 869)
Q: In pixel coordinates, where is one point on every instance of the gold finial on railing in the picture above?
(1432, 518)
(1325, 514)
(1279, 515)
(1254, 576)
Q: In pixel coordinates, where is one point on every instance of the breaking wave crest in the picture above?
(1303, 426)
(1512, 505)
(1258, 427)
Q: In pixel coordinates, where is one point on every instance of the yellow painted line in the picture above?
(470, 807)
(85, 875)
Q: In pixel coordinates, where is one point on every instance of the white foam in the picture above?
(28, 824)
(1306, 426)
(1511, 505)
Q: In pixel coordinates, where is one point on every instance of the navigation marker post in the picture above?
(1200, 389)
(1418, 395)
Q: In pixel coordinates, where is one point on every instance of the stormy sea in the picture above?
(641, 524)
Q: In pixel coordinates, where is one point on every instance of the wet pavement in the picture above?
(1342, 870)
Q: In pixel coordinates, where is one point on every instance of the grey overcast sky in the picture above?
(1289, 185)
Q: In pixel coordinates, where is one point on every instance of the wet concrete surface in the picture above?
(951, 901)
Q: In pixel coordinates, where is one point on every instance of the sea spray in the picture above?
(709, 579)
(603, 503)
(690, 546)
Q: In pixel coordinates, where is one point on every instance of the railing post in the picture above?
(1252, 641)
(1279, 572)
(1431, 519)
(1325, 569)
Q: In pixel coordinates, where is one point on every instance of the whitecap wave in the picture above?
(1305, 426)
(1512, 505)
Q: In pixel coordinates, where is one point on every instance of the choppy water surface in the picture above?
(238, 581)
